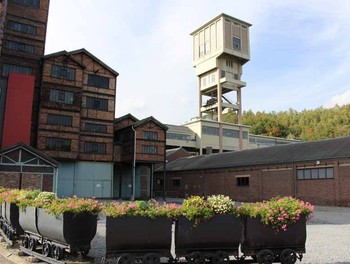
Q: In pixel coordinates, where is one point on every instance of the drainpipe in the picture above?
(134, 167)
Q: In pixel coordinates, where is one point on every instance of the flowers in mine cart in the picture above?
(279, 212)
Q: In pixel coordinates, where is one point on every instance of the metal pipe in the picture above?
(134, 167)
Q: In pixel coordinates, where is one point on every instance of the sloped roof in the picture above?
(148, 119)
(28, 148)
(170, 152)
(125, 117)
(283, 154)
(94, 58)
(65, 53)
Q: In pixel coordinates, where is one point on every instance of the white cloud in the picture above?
(339, 99)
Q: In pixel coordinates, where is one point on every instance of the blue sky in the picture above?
(300, 51)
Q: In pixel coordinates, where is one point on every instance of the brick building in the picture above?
(76, 121)
(317, 172)
(140, 145)
(22, 42)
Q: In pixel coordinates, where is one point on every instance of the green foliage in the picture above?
(316, 124)
(196, 209)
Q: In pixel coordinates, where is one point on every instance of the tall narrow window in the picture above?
(236, 43)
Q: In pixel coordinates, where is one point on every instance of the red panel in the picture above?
(18, 111)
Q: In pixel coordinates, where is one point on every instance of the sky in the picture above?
(300, 51)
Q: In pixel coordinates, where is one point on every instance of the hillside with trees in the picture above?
(314, 124)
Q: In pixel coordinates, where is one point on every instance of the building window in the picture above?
(95, 103)
(29, 3)
(98, 81)
(229, 63)
(7, 68)
(236, 43)
(201, 50)
(12, 45)
(176, 136)
(61, 144)
(212, 131)
(146, 149)
(63, 72)
(95, 148)
(149, 135)
(59, 120)
(21, 27)
(61, 96)
(242, 181)
(97, 128)
(176, 182)
(315, 173)
(223, 74)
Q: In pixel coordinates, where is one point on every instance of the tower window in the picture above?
(236, 43)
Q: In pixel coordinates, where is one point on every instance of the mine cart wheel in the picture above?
(32, 243)
(57, 252)
(46, 249)
(25, 241)
(196, 258)
(125, 258)
(265, 256)
(221, 257)
(288, 256)
(151, 258)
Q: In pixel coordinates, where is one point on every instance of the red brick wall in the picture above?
(266, 182)
(29, 181)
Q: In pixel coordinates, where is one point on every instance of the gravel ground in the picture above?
(328, 237)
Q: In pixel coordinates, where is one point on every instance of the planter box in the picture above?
(74, 231)
(12, 217)
(28, 220)
(221, 232)
(138, 234)
(260, 236)
(3, 210)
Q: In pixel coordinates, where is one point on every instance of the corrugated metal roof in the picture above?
(298, 152)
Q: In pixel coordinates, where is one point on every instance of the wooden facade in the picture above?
(77, 107)
(139, 146)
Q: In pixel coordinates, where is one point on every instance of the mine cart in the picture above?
(268, 245)
(214, 240)
(137, 238)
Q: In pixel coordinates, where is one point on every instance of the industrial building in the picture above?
(316, 171)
